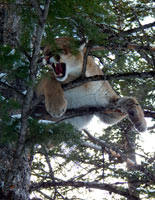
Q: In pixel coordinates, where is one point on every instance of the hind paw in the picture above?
(137, 118)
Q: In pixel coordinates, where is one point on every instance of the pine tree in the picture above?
(41, 160)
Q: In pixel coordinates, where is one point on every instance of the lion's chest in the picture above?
(90, 94)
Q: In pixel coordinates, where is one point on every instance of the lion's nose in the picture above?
(52, 60)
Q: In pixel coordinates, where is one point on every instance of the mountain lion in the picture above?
(66, 65)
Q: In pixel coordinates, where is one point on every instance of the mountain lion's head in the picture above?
(65, 57)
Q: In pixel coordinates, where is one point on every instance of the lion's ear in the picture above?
(82, 46)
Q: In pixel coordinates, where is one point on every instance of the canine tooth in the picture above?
(44, 61)
(59, 75)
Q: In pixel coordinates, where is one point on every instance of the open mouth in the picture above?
(59, 69)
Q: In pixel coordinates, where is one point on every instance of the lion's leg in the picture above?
(135, 113)
(122, 107)
(111, 116)
(55, 101)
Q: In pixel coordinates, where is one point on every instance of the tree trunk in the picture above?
(9, 24)
(130, 139)
(14, 168)
(14, 174)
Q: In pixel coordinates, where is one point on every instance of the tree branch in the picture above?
(146, 38)
(39, 112)
(114, 31)
(109, 148)
(79, 82)
(88, 48)
(33, 70)
(37, 8)
(78, 184)
(149, 113)
(135, 30)
(37, 109)
(123, 47)
(115, 35)
(11, 91)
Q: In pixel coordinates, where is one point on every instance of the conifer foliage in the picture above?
(41, 159)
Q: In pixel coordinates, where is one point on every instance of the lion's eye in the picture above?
(63, 51)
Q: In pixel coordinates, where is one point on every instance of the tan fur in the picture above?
(98, 93)
(55, 101)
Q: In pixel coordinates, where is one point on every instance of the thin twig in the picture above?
(52, 175)
(143, 31)
(103, 160)
(88, 48)
(115, 152)
(13, 89)
(45, 195)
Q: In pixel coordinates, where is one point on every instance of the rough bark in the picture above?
(14, 174)
(10, 24)
(14, 170)
(14, 157)
(130, 147)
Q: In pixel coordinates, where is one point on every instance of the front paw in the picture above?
(57, 108)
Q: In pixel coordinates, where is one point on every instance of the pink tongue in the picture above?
(58, 69)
